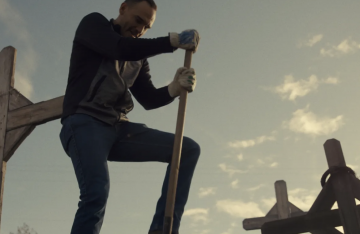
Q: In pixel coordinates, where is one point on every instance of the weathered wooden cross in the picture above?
(342, 187)
(18, 115)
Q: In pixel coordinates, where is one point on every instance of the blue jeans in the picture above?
(90, 143)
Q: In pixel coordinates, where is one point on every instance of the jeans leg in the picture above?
(189, 157)
(137, 143)
(88, 141)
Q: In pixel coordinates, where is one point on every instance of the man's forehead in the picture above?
(145, 11)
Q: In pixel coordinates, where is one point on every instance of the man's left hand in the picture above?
(185, 78)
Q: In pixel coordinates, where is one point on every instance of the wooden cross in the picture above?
(342, 188)
(281, 210)
(18, 115)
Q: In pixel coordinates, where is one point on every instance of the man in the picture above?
(108, 59)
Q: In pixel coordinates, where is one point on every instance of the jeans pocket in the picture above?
(65, 137)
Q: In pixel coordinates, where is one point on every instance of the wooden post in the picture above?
(325, 200)
(341, 184)
(281, 210)
(282, 202)
(306, 223)
(15, 137)
(7, 69)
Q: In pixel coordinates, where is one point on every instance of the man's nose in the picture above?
(140, 29)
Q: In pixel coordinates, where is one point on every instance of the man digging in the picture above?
(108, 61)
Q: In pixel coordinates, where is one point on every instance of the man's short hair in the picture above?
(151, 3)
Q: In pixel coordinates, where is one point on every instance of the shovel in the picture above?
(175, 162)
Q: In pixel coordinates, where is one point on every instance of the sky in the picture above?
(275, 80)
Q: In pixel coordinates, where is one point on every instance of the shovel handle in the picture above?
(175, 161)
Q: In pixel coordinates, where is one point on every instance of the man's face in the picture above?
(136, 19)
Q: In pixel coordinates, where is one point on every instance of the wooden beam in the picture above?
(35, 114)
(341, 184)
(356, 187)
(17, 100)
(325, 200)
(7, 69)
(15, 137)
(282, 202)
(305, 223)
(294, 210)
(286, 210)
(257, 223)
(327, 231)
(3, 172)
(272, 211)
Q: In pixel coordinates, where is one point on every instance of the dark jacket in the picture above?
(104, 66)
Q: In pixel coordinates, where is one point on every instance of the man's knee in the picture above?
(98, 196)
(191, 146)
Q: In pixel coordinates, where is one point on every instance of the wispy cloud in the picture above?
(15, 25)
(230, 170)
(197, 215)
(252, 189)
(239, 209)
(235, 184)
(305, 121)
(347, 46)
(354, 167)
(268, 162)
(204, 192)
(300, 197)
(251, 142)
(291, 88)
(311, 41)
(268, 203)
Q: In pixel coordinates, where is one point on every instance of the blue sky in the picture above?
(276, 79)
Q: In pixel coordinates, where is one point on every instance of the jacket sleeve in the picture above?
(146, 94)
(96, 33)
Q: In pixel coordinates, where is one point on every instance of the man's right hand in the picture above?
(187, 40)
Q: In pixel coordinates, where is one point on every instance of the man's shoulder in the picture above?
(95, 17)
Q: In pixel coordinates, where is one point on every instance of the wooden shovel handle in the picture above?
(175, 161)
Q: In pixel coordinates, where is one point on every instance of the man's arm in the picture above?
(146, 94)
(95, 32)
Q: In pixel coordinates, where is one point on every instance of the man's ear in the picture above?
(123, 8)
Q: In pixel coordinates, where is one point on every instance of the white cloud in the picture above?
(310, 42)
(255, 188)
(16, 25)
(354, 167)
(268, 203)
(230, 169)
(197, 215)
(23, 84)
(251, 142)
(290, 89)
(302, 198)
(260, 161)
(240, 157)
(274, 164)
(203, 192)
(229, 231)
(347, 46)
(305, 121)
(235, 184)
(239, 209)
